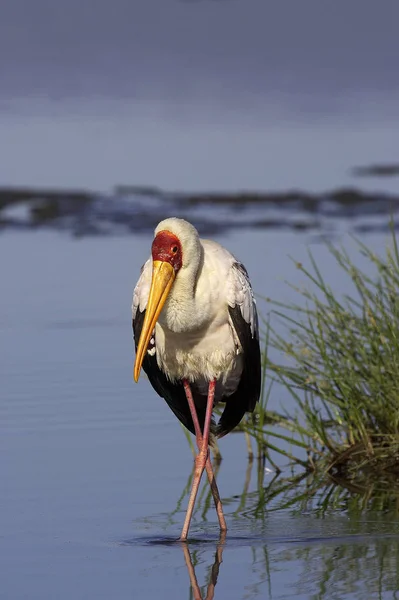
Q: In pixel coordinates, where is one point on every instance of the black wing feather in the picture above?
(172, 392)
(247, 394)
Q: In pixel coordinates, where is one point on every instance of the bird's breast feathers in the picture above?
(193, 355)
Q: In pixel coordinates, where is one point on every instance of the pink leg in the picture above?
(202, 460)
(208, 465)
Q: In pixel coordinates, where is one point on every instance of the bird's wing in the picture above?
(244, 322)
(172, 392)
(240, 295)
(142, 289)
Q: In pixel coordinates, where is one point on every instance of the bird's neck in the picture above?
(181, 312)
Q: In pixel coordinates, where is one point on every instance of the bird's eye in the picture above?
(174, 249)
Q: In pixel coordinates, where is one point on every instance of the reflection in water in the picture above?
(349, 536)
(363, 569)
(199, 594)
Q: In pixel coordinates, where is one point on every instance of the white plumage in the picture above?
(195, 338)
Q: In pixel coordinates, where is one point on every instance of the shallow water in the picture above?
(94, 468)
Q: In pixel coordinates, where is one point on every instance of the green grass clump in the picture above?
(339, 361)
(343, 371)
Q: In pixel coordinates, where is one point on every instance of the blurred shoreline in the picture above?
(137, 209)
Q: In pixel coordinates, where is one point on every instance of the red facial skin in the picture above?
(167, 248)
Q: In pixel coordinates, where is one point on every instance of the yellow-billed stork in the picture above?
(195, 328)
